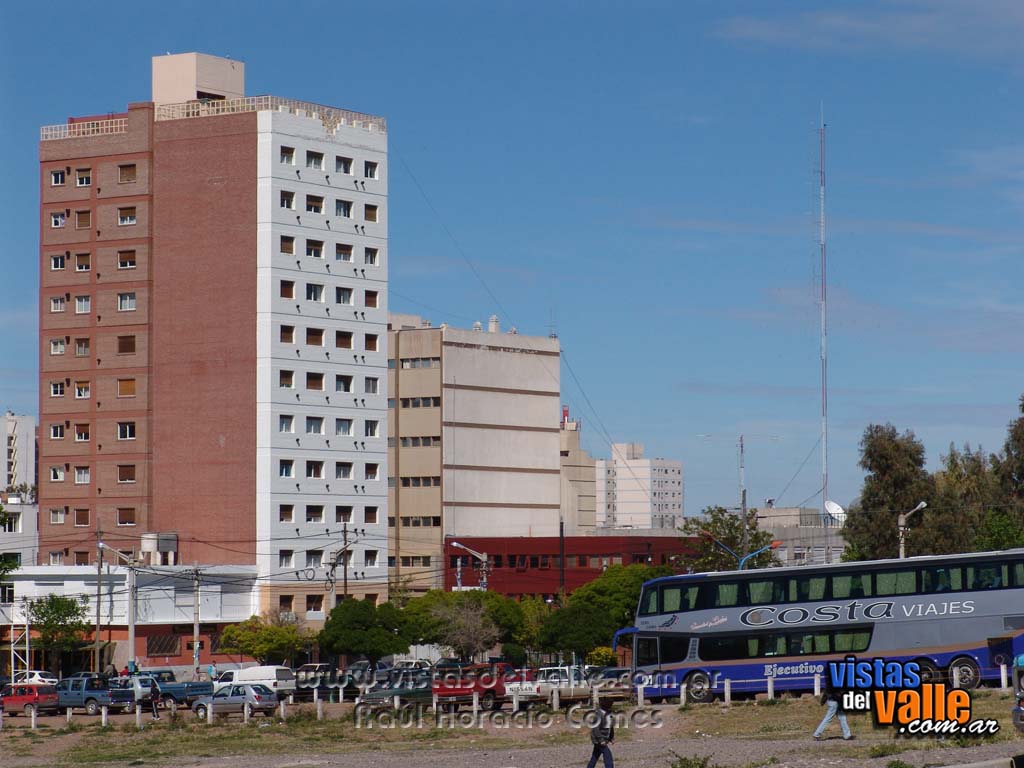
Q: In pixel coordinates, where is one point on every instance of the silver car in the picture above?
(232, 699)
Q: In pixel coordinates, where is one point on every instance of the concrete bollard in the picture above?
(138, 716)
(595, 696)
(433, 703)
(316, 695)
(319, 709)
(104, 716)
(555, 704)
(1004, 680)
(282, 707)
(398, 702)
(728, 691)
(341, 695)
(956, 677)
(515, 701)
(771, 688)
(35, 717)
(291, 698)
(817, 685)
(640, 696)
(209, 713)
(682, 694)
(246, 709)
(1, 719)
(476, 702)
(67, 714)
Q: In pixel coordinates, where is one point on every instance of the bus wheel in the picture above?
(967, 670)
(929, 671)
(698, 688)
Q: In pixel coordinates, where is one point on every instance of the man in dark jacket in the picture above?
(154, 697)
(602, 735)
(833, 698)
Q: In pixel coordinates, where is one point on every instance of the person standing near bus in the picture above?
(833, 698)
(602, 735)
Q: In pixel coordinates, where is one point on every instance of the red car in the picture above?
(456, 685)
(23, 697)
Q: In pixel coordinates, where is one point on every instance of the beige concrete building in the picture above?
(577, 481)
(806, 538)
(638, 492)
(473, 441)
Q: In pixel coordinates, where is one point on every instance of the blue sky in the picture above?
(641, 176)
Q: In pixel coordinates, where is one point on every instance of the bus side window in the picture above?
(671, 599)
(674, 648)
(851, 586)
(646, 651)
(986, 576)
(1018, 574)
(804, 589)
(649, 602)
(773, 645)
(725, 594)
(944, 579)
(761, 592)
(901, 582)
(850, 641)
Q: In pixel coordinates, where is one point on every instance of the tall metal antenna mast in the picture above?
(824, 317)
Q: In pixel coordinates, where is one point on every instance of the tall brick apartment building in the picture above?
(213, 273)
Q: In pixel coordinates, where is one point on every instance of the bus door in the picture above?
(649, 660)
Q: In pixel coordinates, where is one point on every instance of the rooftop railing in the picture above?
(331, 117)
(83, 129)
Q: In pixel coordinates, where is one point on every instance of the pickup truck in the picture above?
(91, 694)
(457, 685)
(173, 693)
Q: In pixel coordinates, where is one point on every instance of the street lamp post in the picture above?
(902, 527)
(741, 561)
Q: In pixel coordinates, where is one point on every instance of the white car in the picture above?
(35, 676)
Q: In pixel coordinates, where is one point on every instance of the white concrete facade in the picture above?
(19, 450)
(19, 531)
(637, 492)
(321, 404)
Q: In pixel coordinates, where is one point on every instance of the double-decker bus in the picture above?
(953, 612)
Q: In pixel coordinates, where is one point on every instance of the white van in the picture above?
(280, 680)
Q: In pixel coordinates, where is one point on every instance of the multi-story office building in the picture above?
(473, 441)
(213, 334)
(19, 451)
(636, 492)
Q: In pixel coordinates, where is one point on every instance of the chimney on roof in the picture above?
(492, 324)
(478, 326)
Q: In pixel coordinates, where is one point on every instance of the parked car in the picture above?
(83, 675)
(232, 699)
(410, 686)
(174, 693)
(326, 679)
(411, 664)
(92, 694)
(280, 680)
(457, 686)
(139, 686)
(35, 676)
(570, 682)
(612, 682)
(360, 674)
(23, 697)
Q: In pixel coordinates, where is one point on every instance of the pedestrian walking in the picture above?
(111, 670)
(124, 672)
(833, 698)
(154, 697)
(602, 735)
(212, 670)
(197, 676)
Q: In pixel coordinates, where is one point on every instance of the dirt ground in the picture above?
(746, 735)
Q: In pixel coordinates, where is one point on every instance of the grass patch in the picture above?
(898, 764)
(703, 761)
(884, 750)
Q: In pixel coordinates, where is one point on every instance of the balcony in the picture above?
(83, 129)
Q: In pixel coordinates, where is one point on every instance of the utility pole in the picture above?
(195, 614)
(744, 532)
(824, 317)
(133, 597)
(561, 555)
(99, 597)
(344, 557)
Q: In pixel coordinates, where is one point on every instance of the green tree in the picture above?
(718, 523)
(466, 627)
(1009, 465)
(535, 611)
(966, 489)
(360, 628)
(1000, 529)
(425, 614)
(896, 481)
(603, 656)
(60, 623)
(268, 639)
(577, 628)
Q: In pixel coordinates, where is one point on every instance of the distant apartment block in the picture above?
(473, 441)
(19, 450)
(19, 531)
(213, 298)
(638, 492)
(578, 481)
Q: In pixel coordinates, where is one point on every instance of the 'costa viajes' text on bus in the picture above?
(962, 612)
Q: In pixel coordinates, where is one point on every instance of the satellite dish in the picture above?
(835, 512)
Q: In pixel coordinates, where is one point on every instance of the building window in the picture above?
(285, 558)
(343, 513)
(371, 471)
(83, 304)
(286, 468)
(342, 295)
(315, 337)
(56, 389)
(57, 262)
(314, 381)
(370, 256)
(126, 260)
(83, 177)
(314, 204)
(57, 558)
(370, 212)
(126, 516)
(126, 387)
(287, 289)
(314, 425)
(56, 431)
(126, 430)
(343, 383)
(287, 334)
(370, 299)
(81, 475)
(285, 603)
(314, 292)
(343, 164)
(57, 304)
(370, 343)
(314, 513)
(126, 345)
(288, 200)
(126, 174)
(343, 427)
(370, 169)
(126, 216)
(371, 385)
(286, 423)
(315, 160)
(287, 379)
(342, 252)
(288, 245)
(343, 470)
(126, 473)
(315, 249)
(370, 558)
(314, 558)
(83, 219)
(57, 178)
(82, 262)
(81, 347)
(82, 390)
(343, 339)
(81, 433)
(81, 518)
(56, 346)
(56, 474)
(288, 155)
(56, 516)
(314, 470)
(343, 208)
(371, 428)
(285, 513)
(314, 603)
(126, 302)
